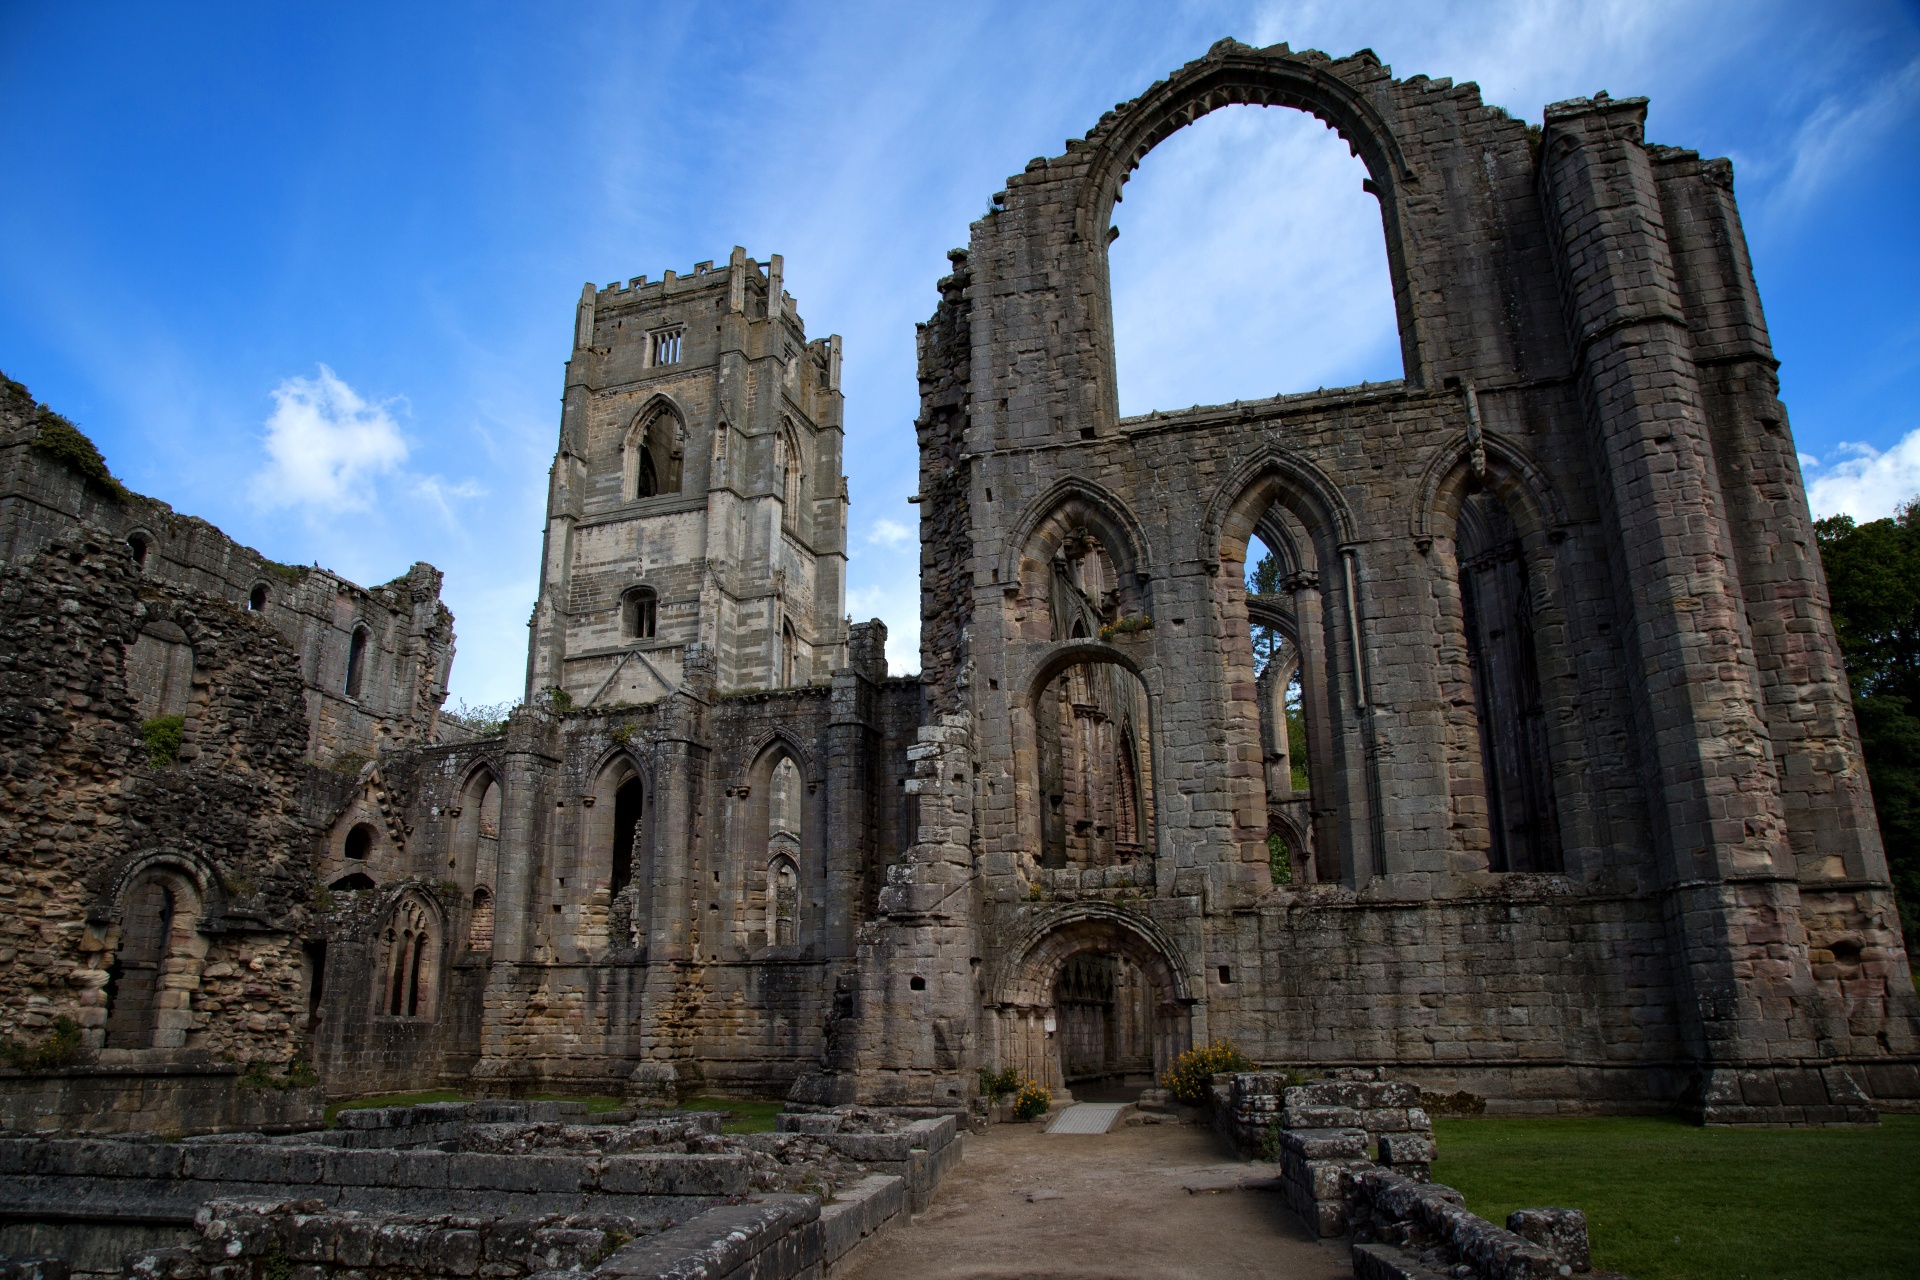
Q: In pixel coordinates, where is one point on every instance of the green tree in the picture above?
(1264, 580)
(1873, 578)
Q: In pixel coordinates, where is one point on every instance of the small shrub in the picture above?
(162, 734)
(1033, 1100)
(998, 1084)
(481, 719)
(293, 574)
(1126, 626)
(61, 1048)
(59, 438)
(1279, 860)
(1190, 1078)
(559, 699)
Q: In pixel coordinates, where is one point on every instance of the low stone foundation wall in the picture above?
(172, 1100)
(1355, 1155)
(501, 1190)
(238, 1239)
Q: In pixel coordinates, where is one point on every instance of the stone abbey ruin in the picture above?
(1585, 825)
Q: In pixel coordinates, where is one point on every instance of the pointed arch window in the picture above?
(791, 473)
(357, 661)
(1498, 613)
(653, 450)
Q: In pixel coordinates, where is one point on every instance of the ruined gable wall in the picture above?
(1523, 264)
(44, 499)
(82, 807)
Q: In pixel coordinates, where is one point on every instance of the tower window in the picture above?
(357, 662)
(637, 610)
(664, 347)
(138, 544)
(258, 599)
(359, 842)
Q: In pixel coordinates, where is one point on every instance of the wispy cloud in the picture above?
(324, 443)
(1843, 131)
(1862, 481)
(889, 533)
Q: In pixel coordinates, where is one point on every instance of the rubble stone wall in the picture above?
(89, 814)
(45, 499)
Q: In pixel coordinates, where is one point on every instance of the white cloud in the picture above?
(1865, 483)
(889, 533)
(324, 441)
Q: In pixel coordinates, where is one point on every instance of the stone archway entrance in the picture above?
(1093, 993)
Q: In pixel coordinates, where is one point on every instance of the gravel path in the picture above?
(1144, 1201)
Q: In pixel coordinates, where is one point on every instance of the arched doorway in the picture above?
(1093, 994)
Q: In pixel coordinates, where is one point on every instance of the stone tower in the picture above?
(697, 495)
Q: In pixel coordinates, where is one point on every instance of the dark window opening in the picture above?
(1497, 606)
(316, 977)
(258, 599)
(359, 842)
(649, 474)
(627, 806)
(917, 983)
(1226, 974)
(413, 977)
(138, 543)
(357, 662)
(639, 613)
(352, 882)
(133, 981)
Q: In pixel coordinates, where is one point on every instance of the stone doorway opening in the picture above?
(1103, 1015)
(1094, 1004)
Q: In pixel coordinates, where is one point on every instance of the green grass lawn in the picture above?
(745, 1115)
(1666, 1200)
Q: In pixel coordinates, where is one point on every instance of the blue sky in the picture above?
(309, 271)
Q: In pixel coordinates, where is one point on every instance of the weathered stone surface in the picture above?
(1587, 823)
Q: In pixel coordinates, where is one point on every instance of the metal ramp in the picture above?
(1087, 1117)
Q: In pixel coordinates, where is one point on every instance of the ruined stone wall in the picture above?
(679, 974)
(1582, 339)
(46, 497)
(87, 814)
